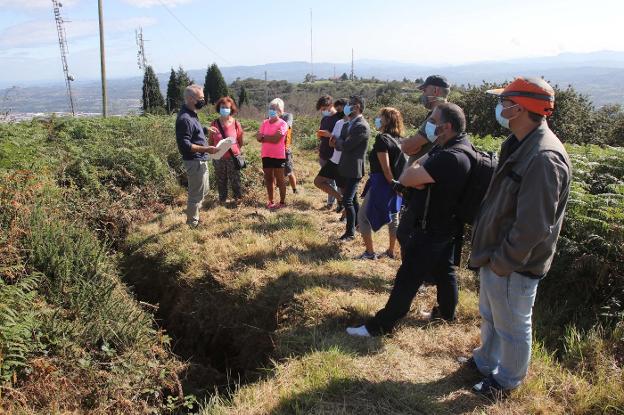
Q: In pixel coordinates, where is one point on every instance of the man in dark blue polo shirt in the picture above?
(193, 148)
(429, 234)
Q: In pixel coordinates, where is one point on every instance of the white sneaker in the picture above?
(358, 331)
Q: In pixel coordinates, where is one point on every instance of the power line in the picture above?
(201, 42)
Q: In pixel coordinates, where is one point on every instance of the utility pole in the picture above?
(141, 59)
(266, 89)
(352, 69)
(311, 58)
(102, 61)
(62, 39)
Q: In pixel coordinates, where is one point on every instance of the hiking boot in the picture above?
(468, 362)
(367, 255)
(347, 237)
(490, 388)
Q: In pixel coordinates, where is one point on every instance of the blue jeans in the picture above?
(351, 204)
(506, 306)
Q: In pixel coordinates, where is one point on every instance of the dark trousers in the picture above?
(424, 259)
(351, 204)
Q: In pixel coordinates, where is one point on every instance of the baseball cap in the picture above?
(435, 80)
(534, 94)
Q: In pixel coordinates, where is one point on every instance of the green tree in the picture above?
(344, 77)
(153, 101)
(214, 84)
(243, 99)
(174, 98)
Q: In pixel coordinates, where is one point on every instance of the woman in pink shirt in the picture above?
(225, 170)
(272, 135)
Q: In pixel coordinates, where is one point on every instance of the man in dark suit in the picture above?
(353, 142)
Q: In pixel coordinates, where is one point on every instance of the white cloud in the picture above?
(43, 32)
(150, 3)
(32, 4)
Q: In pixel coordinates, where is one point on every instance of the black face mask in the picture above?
(200, 104)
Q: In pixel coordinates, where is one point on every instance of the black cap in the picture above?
(435, 80)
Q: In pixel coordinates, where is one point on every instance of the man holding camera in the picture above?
(428, 234)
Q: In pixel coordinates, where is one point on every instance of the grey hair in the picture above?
(279, 103)
(192, 90)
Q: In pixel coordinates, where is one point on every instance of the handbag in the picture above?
(239, 161)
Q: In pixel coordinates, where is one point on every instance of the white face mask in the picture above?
(498, 112)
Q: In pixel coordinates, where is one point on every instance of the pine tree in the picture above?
(153, 101)
(243, 99)
(344, 77)
(214, 84)
(174, 99)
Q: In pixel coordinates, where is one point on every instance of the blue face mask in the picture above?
(272, 113)
(430, 130)
(347, 110)
(224, 112)
(326, 113)
(378, 123)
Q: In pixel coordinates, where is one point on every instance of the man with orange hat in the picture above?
(515, 234)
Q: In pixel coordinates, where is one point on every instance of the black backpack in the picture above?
(482, 167)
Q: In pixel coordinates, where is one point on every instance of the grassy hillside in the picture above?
(246, 314)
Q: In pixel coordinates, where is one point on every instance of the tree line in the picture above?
(215, 87)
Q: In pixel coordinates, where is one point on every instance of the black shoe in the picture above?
(490, 388)
(339, 208)
(347, 237)
(468, 362)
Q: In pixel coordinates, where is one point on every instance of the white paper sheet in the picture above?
(223, 146)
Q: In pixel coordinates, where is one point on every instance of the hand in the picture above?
(259, 136)
(332, 141)
(211, 150)
(323, 134)
(212, 130)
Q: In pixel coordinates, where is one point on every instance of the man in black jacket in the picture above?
(353, 142)
(428, 234)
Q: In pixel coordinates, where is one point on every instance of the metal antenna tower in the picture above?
(141, 58)
(352, 66)
(62, 39)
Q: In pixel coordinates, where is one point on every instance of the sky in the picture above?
(246, 32)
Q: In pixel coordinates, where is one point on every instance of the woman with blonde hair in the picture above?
(272, 135)
(381, 204)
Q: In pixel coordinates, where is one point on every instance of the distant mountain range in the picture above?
(598, 74)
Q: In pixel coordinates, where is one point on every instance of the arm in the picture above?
(184, 133)
(536, 211)
(412, 145)
(384, 161)
(275, 138)
(416, 176)
(356, 136)
(241, 133)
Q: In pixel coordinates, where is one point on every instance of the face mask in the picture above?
(326, 113)
(378, 123)
(430, 130)
(425, 100)
(200, 104)
(347, 110)
(272, 113)
(224, 112)
(504, 122)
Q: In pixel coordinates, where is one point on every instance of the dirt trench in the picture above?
(224, 338)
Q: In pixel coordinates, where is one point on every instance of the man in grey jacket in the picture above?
(353, 142)
(516, 232)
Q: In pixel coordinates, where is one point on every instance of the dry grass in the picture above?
(286, 275)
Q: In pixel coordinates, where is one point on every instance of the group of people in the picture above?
(196, 142)
(419, 186)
